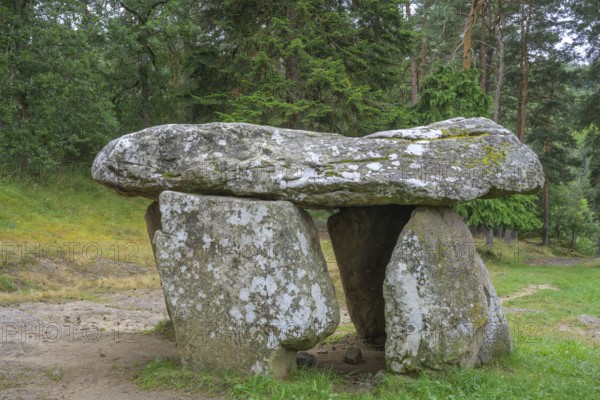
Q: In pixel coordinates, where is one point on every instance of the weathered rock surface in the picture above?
(363, 239)
(440, 307)
(443, 163)
(245, 281)
(496, 336)
(154, 224)
(353, 355)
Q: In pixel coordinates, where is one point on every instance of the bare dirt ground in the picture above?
(82, 349)
(557, 261)
(92, 349)
(527, 291)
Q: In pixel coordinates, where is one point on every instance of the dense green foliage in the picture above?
(75, 74)
(516, 212)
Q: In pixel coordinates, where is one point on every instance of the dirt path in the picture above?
(557, 261)
(527, 291)
(82, 349)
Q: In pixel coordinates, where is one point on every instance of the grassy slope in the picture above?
(69, 208)
(549, 362)
(59, 236)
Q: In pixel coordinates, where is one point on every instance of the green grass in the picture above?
(341, 332)
(164, 328)
(548, 362)
(539, 369)
(71, 208)
(7, 283)
(68, 235)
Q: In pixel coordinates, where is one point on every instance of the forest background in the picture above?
(75, 74)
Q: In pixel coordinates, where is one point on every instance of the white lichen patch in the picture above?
(415, 149)
(276, 137)
(419, 132)
(374, 166)
(417, 182)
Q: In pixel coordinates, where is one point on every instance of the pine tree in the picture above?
(305, 64)
(54, 108)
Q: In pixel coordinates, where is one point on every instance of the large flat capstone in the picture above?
(245, 281)
(440, 164)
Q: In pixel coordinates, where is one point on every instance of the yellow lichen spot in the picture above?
(493, 156)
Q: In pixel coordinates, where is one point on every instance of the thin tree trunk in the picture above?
(414, 74)
(423, 59)
(467, 48)
(20, 8)
(473, 230)
(507, 235)
(500, 79)
(515, 235)
(142, 17)
(489, 237)
(144, 83)
(483, 51)
(526, 14)
(489, 54)
(292, 71)
(482, 230)
(499, 230)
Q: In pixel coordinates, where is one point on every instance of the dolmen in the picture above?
(244, 277)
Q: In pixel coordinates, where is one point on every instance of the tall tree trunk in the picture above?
(491, 25)
(414, 75)
(499, 230)
(467, 48)
(21, 10)
(489, 237)
(526, 14)
(507, 235)
(473, 230)
(292, 69)
(545, 237)
(423, 59)
(142, 17)
(501, 65)
(483, 49)
(144, 83)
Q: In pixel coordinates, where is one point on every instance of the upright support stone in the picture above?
(441, 309)
(245, 280)
(153, 224)
(496, 337)
(363, 239)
